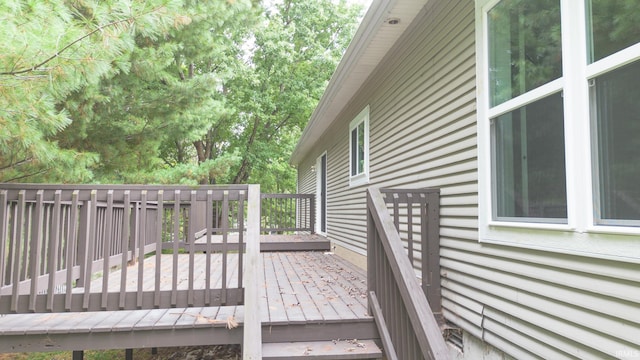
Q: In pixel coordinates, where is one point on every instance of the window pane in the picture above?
(613, 26)
(525, 49)
(529, 170)
(618, 139)
(361, 148)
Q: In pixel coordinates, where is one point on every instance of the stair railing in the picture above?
(407, 325)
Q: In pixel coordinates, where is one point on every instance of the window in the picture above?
(529, 162)
(559, 115)
(615, 112)
(525, 52)
(359, 149)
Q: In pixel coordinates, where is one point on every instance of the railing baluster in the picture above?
(90, 244)
(192, 246)
(396, 211)
(176, 240)
(159, 216)
(126, 232)
(35, 249)
(19, 232)
(53, 249)
(107, 249)
(142, 241)
(72, 240)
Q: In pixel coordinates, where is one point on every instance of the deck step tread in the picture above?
(338, 349)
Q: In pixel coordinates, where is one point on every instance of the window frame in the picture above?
(359, 178)
(581, 234)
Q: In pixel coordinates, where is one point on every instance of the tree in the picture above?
(52, 49)
(295, 52)
(174, 91)
(143, 123)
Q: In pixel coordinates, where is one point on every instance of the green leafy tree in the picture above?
(163, 91)
(144, 123)
(295, 51)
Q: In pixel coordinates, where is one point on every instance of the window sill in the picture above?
(358, 180)
(530, 225)
(599, 242)
(615, 230)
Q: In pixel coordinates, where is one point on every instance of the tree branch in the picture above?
(28, 175)
(50, 58)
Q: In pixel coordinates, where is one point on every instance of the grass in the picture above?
(231, 352)
(68, 355)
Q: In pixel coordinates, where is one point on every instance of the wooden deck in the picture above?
(306, 296)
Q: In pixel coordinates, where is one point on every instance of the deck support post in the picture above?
(252, 339)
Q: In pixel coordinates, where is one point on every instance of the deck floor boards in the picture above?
(300, 289)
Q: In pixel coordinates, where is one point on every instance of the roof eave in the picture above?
(373, 39)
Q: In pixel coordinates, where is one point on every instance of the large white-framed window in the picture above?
(359, 149)
(559, 123)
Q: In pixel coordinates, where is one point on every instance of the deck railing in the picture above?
(408, 327)
(59, 241)
(287, 213)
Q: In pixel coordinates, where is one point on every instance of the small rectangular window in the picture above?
(359, 148)
(529, 162)
(617, 114)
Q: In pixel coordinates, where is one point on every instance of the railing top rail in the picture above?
(402, 195)
(32, 186)
(287, 196)
(84, 192)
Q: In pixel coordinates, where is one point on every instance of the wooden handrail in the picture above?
(414, 330)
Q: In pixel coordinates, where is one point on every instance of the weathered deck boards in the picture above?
(306, 296)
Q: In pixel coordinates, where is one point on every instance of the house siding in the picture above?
(527, 303)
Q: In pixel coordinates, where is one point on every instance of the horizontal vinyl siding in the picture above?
(529, 303)
(307, 178)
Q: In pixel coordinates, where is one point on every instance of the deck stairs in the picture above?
(342, 349)
(334, 341)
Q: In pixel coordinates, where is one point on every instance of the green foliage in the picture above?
(163, 91)
(54, 49)
(296, 49)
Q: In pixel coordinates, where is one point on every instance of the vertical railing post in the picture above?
(431, 257)
(312, 214)
(371, 247)
(252, 339)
